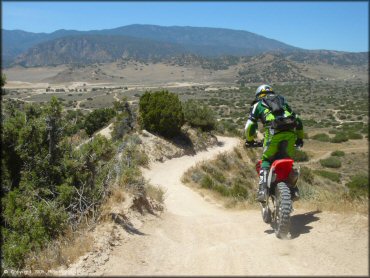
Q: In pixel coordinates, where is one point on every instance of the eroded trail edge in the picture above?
(198, 237)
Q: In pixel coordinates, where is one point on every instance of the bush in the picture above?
(328, 175)
(337, 153)
(339, 138)
(196, 175)
(199, 115)
(365, 129)
(228, 128)
(358, 185)
(306, 174)
(161, 112)
(354, 136)
(239, 191)
(323, 137)
(29, 226)
(206, 182)
(2, 80)
(331, 162)
(98, 119)
(300, 156)
(124, 121)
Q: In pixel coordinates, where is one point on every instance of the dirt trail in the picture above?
(106, 132)
(198, 237)
(339, 120)
(326, 154)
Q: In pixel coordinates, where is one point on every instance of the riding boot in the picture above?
(262, 186)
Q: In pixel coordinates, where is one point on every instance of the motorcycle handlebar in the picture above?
(260, 144)
(254, 145)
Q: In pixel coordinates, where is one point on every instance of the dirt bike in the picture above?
(276, 209)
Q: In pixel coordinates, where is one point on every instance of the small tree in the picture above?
(3, 80)
(161, 112)
(124, 121)
(198, 115)
(98, 119)
(359, 185)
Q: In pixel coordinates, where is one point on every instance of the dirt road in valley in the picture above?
(198, 237)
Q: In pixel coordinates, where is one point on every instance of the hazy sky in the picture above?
(310, 25)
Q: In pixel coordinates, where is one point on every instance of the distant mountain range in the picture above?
(142, 42)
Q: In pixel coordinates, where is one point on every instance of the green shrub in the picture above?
(306, 175)
(354, 136)
(218, 176)
(331, 162)
(2, 80)
(124, 121)
(309, 122)
(239, 191)
(206, 182)
(199, 115)
(365, 129)
(328, 175)
(306, 191)
(227, 127)
(338, 153)
(339, 138)
(323, 137)
(29, 226)
(359, 185)
(98, 119)
(224, 191)
(196, 175)
(161, 112)
(300, 156)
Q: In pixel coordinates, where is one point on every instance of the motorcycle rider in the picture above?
(283, 131)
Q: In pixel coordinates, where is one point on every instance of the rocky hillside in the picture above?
(335, 58)
(88, 49)
(301, 66)
(196, 40)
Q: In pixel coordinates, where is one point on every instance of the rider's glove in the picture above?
(299, 143)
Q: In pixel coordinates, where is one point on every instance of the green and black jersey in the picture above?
(261, 111)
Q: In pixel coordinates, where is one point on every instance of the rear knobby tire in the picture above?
(283, 209)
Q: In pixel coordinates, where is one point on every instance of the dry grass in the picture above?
(325, 195)
(335, 203)
(226, 202)
(229, 179)
(116, 197)
(63, 251)
(322, 194)
(156, 193)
